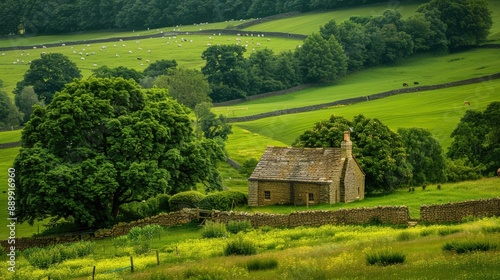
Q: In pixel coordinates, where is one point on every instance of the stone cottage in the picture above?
(301, 176)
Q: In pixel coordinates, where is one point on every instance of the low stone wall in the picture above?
(10, 145)
(23, 243)
(165, 219)
(456, 211)
(381, 214)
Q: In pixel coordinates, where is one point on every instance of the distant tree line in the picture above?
(63, 16)
(359, 42)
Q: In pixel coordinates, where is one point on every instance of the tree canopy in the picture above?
(379, 151)
(105, 142)
(49, 74)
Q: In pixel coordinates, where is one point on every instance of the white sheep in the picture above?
(82, 58)
(117, 55)
(129, 51)
(95, 65)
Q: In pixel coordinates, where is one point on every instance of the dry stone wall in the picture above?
(457, 211)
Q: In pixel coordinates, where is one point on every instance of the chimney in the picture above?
(346, 145)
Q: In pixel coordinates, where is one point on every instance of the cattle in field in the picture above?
(466, 103)
(405, 85)
(415, 83)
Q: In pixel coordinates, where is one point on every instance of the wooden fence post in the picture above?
(157, 258)
(131, 264)
(93, 273)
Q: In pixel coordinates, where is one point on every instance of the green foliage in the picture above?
(476, 139)
(9, 113)
(189, 199)
(117, 145)
(187, 86)
(140, 237)
(43, 258)
(467, 22)
(468, 246)
(118, 72)
(150, 207)
(490, 229)
(240, 246)
(385, 257)
(160, 67)
(379, 151)
(48, 75)
(447, 231)
(209, 124)
(120, 241)
(25, 101)
(458, 170)
(237, 226)
(262, 264)
(405, 236)
(213, 230)
(236, 198)
(215, 201)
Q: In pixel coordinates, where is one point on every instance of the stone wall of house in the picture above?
(381, 214)
(253, 193)
(354, 182)
(280, 193)
(456, 211)
(301, 193)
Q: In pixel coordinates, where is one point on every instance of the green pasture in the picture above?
(494, 37)
(308, 23)
(14, 64)
(18, 41)
(438, 111)
(425, 69)
(10, 136)
(449, 192)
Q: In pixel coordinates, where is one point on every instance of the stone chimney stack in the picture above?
(346, 145)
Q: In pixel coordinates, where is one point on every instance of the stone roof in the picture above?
(318, 165)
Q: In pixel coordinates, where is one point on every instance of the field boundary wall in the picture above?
(456, 212)
(359, 99)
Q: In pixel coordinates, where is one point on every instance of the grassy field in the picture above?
(438, 111)
(326, 252)
(308, 23)
(188, 55)
(426, 69)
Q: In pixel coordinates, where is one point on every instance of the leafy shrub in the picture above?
(189, 199)
(457, 170)
(240, 246)
(237, 226)
(140, 210)
(217, 201)
(45, 257)
(427, 232)
(447, 231)
(120, 241)
(467, 246)
(490, 229)
(262, 264)
(213, 230)
(385, 258)
(405, 236)
(248, 166)
(141, 237)
(238, 198)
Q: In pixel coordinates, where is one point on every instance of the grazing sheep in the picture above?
(179, 45)
(3, 54)
(139, 58)
(63, 45)
(258, 44)
(405, 85)
(129, 51)
(117, 55)
(82, 58)
(149, 51)
(147, 61)
(95, 65)
(467, 103)
(139, 49)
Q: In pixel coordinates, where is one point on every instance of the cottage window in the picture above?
(311, 197)
(267, 195)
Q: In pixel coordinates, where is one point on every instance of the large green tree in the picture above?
(476, 139)
(379, 151)
(425, 156)
(105, 142)
(9, 114)
(209, 124)
(48, 74)
(120, 71)
(321, 60)
(468, 22)
(187, 86)
(25, 101)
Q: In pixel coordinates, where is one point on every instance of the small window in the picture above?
(267, 195)
(311, 197)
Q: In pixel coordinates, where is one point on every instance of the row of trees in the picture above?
(63, 16)
(412, 156)
(360, 42)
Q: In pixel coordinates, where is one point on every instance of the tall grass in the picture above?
(385, 257)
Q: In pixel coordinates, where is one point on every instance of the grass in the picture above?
(426, 69)
(187, 56)
(10, 136)
(310, 22)
(451, 192)
(439, 111)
